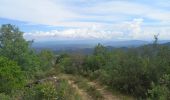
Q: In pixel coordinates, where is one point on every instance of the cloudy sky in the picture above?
(88, 19)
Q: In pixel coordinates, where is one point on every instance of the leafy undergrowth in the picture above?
(57, 90)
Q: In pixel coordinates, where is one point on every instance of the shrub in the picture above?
(4, 97)
(159, 92)
(11, 76)
(45, 91)
(51, 91)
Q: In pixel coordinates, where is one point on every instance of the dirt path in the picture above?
(82, 93)
(105, 93)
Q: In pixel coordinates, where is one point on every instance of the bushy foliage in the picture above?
(130, 71)
(16, 48)
(13, 45)
(72, 64)
(46, 57)
(141, 72)
(19, 62)
(51, 91)
(11, 76)
(159, 92)
(45, 91)
(4, 97)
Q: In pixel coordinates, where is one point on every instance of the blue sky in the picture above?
(88, 19)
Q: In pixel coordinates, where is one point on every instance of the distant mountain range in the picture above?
(69, 46)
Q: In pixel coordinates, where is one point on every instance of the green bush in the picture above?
(45, 91)
(51, 91)
(130, 71)
(11, 76)
(4, 97)
(159, 92)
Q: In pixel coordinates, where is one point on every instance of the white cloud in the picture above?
(61, 13)
(95, 32)
(103, 32)
(45, 12)
(105, 20)
(129, 8)
(137, 30)
(127, 30)
(134, 28)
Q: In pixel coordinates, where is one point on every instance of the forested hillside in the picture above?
(141, 73)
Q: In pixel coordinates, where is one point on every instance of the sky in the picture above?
(43, 20)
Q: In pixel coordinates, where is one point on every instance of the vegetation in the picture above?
(20, 65)
(51, 91)
(11, 75)
(143, 72)
(132, 71)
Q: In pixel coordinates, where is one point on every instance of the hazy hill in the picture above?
(87, 46)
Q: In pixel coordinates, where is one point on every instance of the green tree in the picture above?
(99, 50)
(12, 43)
(16, 48)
